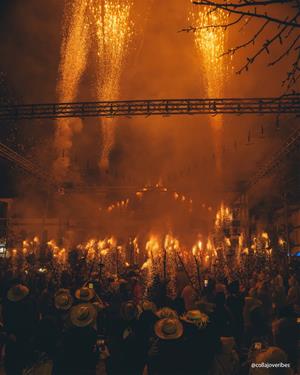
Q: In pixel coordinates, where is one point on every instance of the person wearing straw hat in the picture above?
(202, 342)
(166, 353)
(125, 353)
(63, 300)
(271, 356)
(78, 354)
(85, 294)
(20, 317)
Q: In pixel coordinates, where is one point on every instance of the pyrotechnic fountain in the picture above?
(107, 24)
(211, 43)
(72, 64)
(113, 34)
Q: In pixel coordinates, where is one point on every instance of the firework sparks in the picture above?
(72, 64)
(113, 34)
(211, 45)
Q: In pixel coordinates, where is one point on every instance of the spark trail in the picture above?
(72, 64)
(114, 31)
(211, 44)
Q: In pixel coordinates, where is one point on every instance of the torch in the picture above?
(197, 263)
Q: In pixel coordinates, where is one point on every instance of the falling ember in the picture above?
(72, 64)
(113, 33)
(211, 45)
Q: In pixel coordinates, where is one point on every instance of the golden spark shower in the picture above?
(211, 44)
(73, 61)
(113, 34)
(107, 25)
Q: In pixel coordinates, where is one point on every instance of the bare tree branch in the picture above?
(232, 10)
(285, 34)
(225, 26)
(285, 53)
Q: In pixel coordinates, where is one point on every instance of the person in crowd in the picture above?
(74, 320)
(235, 303)
(259, 329)
(189, 296)
(123, 342)
(227, 361)
(201, 342)
(286, 336)
(293, 297)
(166, 355)
(77, 354)
(265, 297)
(20, 318)
(278, 294)
(222, 316)
(85, 294)
(272, 356)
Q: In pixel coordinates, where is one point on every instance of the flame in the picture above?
(194, 250)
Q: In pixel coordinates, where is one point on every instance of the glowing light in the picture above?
(113, 33)
(211, 45)
(72, 64)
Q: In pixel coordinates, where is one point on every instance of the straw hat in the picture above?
(17, 293)
(196, 317)
(148, 306)
(129, 311)
(168, 329)
(63, 299)
(83, 315)
(167, 312)
(85, 294)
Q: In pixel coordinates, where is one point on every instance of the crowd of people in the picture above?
(90, 323)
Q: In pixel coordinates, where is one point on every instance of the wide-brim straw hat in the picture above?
(168, 329)
(196, 317)
(17, 293)
(129, 311)
(63, 299)
(146, 305)
(166, 312)
(83, 315)
(85, 294)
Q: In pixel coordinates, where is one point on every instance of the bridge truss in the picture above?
(288, 104)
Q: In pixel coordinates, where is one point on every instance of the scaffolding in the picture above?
(288, 104)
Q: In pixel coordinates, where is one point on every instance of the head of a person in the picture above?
(166, 312)
(129, 311)
(292, 281)
(272, 356)
(220, 299)
(83, 315)
(168, 329)
(196, 318)
(85, 294)
(17, 293)
(147, 305)
(234, 287)
(257, 317)
(285, 332)
(63, 300)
